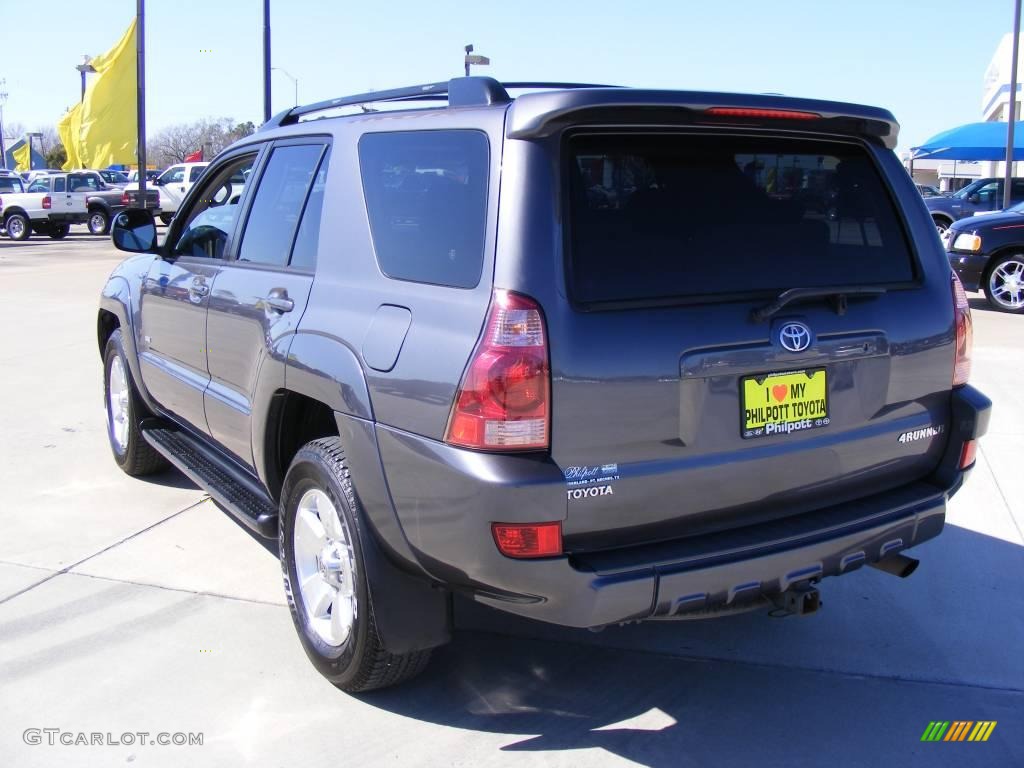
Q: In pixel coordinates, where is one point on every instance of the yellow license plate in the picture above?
(783, 403)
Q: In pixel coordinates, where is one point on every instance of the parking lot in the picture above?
(133, 606)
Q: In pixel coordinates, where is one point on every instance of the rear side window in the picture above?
(673, 216)
(280, 198)
(426, 198)
(195, 172)
(308, 237)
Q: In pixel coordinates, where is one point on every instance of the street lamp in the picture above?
(294, 80)
(3, 100)
(31, 135)
(84, 67)
(478, 60)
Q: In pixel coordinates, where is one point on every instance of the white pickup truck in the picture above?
(45, 213)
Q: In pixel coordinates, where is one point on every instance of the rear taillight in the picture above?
(964, 334)
(528, 539)
(125, 201)
(47, 202)
(503, 402)
(968, 454)
(762, 114)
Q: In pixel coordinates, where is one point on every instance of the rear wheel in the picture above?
(124, 412)
(99, 222)
(1004, 283)
(325, 577)
(17, 226)
(59, 231)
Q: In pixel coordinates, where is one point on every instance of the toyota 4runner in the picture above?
(591, 355)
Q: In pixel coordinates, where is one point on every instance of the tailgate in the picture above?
(674, 410)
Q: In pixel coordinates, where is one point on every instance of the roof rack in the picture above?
(458, 92)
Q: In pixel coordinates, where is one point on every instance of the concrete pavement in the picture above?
(137, 605)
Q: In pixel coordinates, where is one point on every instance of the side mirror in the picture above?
(157, 182)
(134, 231)
(974, 198)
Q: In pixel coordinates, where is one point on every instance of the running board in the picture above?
(228, 486)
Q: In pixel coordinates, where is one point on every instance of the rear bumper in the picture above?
(449, 534)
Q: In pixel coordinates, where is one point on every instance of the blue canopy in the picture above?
(974, 141)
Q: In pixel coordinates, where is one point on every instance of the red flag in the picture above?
(195, 157)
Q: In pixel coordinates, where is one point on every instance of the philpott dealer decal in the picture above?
(588, 482)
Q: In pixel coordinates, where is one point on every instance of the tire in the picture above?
(131, 451)
(17, 227)
(59, 231)
(330, 558)
(166, 218)
(941, 224)
(99, 222)
(1004, 283)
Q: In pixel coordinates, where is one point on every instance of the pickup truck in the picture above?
(50, 212)
(103, 201)
(174, 184)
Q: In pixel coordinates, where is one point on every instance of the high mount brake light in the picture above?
(767, 114)
(964, 334)
(503, 402)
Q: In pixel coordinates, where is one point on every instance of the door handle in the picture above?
(280, 303)
(198, 288)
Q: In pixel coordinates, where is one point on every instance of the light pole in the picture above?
(32, 135)
(478, 60)
(1011, 118)
(3, 100)
(295, 82)
(266, 60)
(84, 67)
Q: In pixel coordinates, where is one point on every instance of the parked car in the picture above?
(429, 360)
(928, 190)
(174, 183)
(987, 253)
(10, 182)
(48, 207)
(102, 199)
(980, 196)
(133, 176)
(113, 178)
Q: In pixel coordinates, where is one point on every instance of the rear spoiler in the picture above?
(535, 115)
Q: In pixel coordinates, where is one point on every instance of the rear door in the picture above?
(261, 291)
(172, 183)
(666, 389)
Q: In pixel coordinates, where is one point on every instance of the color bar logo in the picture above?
(958, 730)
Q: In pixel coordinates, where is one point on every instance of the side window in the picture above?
(59, 184)
(195, 172)
(211, 219)
(174, 175)
(39, 185)
(426, 197)
(279, 199)
(1017, 190)
(81, 182)
(988, 192)
(308, 238)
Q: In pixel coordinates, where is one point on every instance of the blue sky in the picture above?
(923, 61)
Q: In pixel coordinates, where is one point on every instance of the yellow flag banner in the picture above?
(70, 130)
(21, 156)
(109, 123)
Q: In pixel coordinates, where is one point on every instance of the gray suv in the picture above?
(591, 355)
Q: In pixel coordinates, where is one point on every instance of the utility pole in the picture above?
(266, 60)
(140, 99)
(1011, 119)
(3, 100)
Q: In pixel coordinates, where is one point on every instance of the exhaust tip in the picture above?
(897, 564)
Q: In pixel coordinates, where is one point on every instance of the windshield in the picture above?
(970, 189)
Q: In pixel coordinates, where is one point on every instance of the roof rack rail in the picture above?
(458, 92)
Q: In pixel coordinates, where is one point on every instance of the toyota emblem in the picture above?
(795, 337)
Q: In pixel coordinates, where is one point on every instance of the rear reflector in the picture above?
(964, 334)
(766, 114)
(529, 540)
(503, 400)
(968, 454)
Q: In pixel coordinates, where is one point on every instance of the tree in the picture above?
(176, 142)
(56, 157)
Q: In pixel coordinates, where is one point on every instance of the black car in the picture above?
(987, 253)
(589, 355)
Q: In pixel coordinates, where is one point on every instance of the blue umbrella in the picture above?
(974, 141)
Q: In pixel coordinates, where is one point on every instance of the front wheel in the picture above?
(325, 575)
(124, 412)
(1004, 284)
(17, 226)
(941, 225)
(99, 222)
(59, 231)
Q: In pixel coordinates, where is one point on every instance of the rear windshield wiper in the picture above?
(838, 294)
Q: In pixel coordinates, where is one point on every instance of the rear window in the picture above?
(671, 216)
(426, 198)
